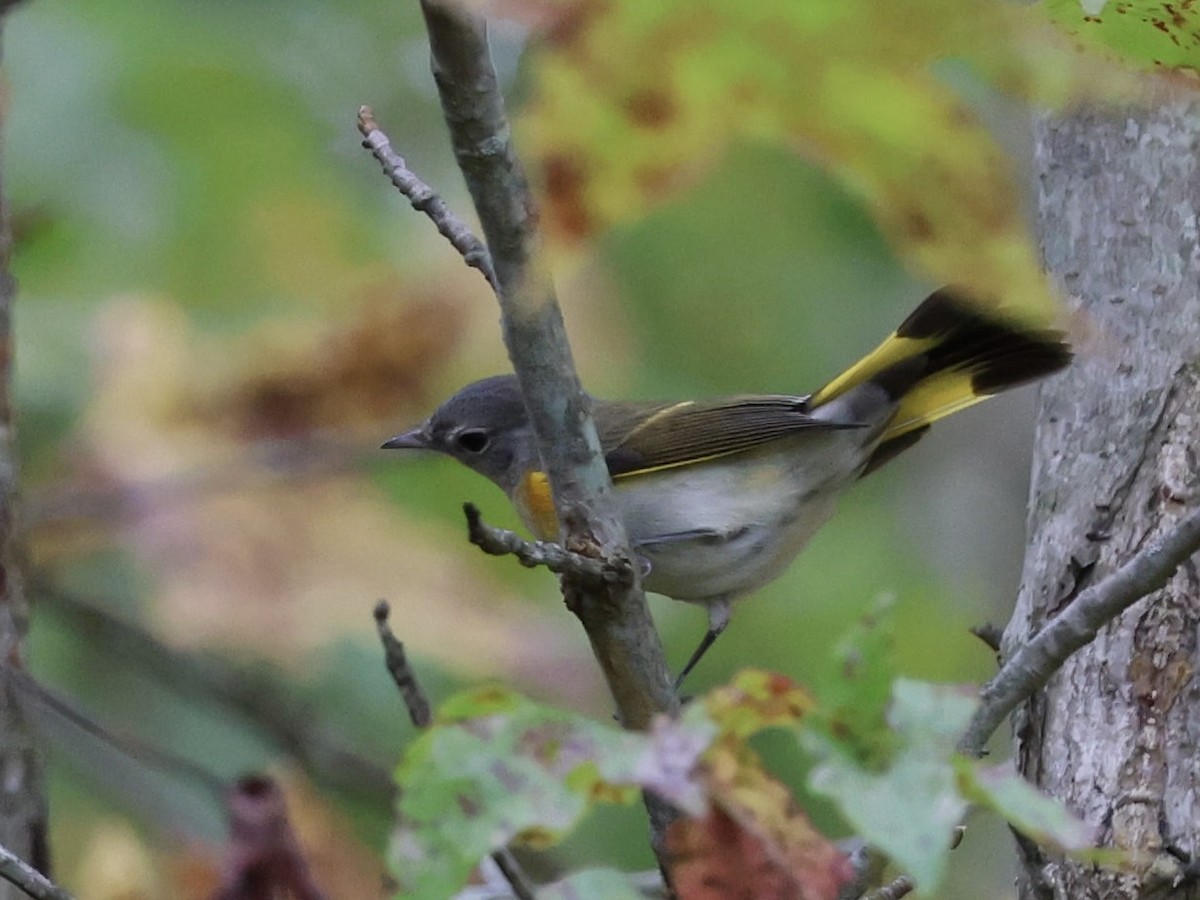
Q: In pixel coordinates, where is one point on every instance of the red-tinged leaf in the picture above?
(764, 807)
(717, 858)
(263, 858)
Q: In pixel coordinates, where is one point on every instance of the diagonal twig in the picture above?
(501, 542)
(419, 711)
(901, 886)
(1036, 662)
(135, 748)
(16, 871)
(263, 699)
(423, 198)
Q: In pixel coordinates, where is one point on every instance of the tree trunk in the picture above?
(22, 802)
(1115, 734)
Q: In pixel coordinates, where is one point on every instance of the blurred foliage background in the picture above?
(224, 309)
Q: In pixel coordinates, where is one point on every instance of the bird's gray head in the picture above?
(484, 426)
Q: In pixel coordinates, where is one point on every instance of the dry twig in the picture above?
(423, 198)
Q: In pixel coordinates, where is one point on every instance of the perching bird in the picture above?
(718, 496)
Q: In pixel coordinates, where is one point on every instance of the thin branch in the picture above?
(868, 865)
(514, 874)
(141, 751)
(23, 818)
(419, 711)
(262, 465)
(501, 542)
(990, 633)
(617, 620)
(899, 887)
(423, 198)
(1036, 662)
(16, 871)
(264, 700)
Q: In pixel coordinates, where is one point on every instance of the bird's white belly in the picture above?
(723, 528)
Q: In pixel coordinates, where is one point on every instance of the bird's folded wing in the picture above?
(640, 438)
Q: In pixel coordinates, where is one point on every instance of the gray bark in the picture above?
(1115, 734)
(22, 803)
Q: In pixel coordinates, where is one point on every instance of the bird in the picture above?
(719, 495)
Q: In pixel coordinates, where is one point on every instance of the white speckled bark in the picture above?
(1116, 733)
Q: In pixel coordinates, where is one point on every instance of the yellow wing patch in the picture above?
(661, 414)
(674, 465)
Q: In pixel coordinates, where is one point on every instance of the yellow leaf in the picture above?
(636, 100)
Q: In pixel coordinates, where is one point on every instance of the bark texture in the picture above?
(22, 803)
(1116, 734)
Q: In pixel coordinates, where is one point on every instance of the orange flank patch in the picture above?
(535, 503)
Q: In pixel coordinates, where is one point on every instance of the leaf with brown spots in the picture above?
(635, 101)
(1147, 33)
(496, 767)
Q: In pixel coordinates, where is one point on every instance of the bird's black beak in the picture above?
(416, 439)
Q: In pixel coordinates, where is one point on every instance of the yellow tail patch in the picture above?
(894, 349)
(934, 398)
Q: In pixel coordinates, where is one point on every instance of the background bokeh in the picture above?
(224, 308)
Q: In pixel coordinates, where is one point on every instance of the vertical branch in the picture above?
(22, 804)
(615, 617)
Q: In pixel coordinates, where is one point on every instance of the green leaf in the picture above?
(853, 701)
(1147, 33)
(1031, 812)
(592, 884)
(909, 809)
(496, 767)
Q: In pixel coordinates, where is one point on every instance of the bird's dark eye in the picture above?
(472, 441)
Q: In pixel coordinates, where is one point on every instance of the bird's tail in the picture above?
(946, 356)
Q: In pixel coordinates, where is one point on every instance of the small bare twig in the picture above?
(16, 871)
(899, 887)
(522, 887)
(1036, 662)
(419, 710)
(500, 542)
(868, 865)
(423, 198)
(990, 633)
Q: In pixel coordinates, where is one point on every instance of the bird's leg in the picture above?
(718, 618)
